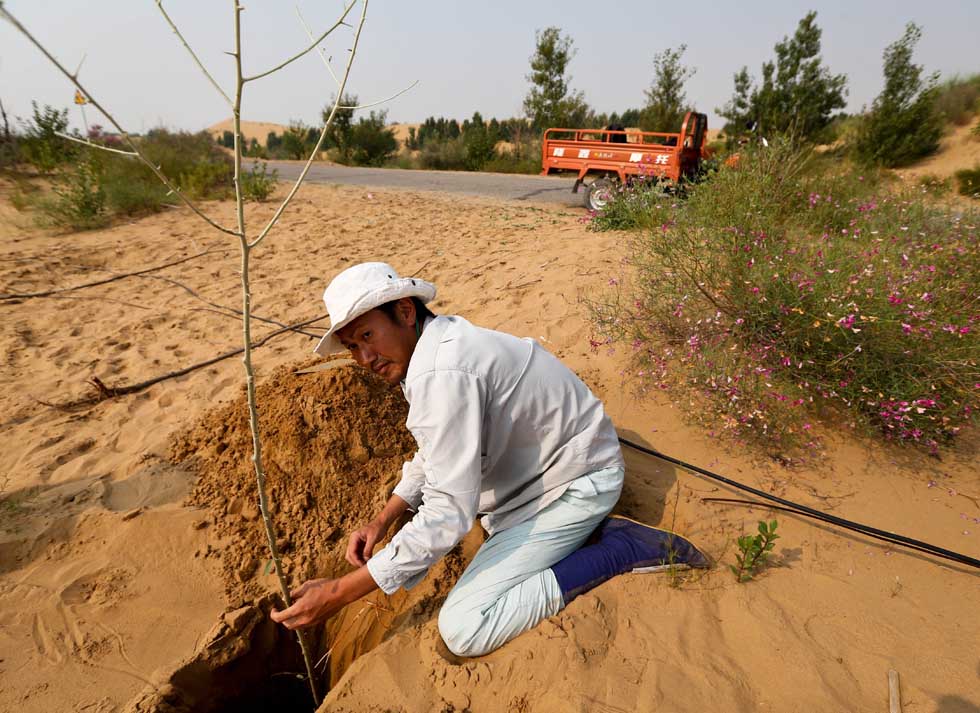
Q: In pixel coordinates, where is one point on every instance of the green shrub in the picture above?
(779, 296)
(78, 201)
(447, 155)
(258, 185)
(525, 159)
(131, 190)
(207, 180)
(904, 123)
(372, 143)
(643, 203)
(40, 145)
(403, 160)
(969, 181)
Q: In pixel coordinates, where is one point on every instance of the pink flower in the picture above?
(906, 328)
(894, 299)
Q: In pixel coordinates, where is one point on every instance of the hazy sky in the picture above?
(467, 55)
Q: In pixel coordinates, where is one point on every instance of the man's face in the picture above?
(382, 344)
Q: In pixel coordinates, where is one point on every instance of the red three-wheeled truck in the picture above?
(600, 157)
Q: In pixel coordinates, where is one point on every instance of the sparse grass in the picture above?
(935, 186)
(778, 295)
(958, 99)
(969, 182)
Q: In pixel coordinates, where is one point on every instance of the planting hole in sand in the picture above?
(334, 443)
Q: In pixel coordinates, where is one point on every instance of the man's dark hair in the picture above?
(422, 312)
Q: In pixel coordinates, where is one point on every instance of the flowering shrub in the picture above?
(784, 295)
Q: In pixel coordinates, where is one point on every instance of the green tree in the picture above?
(797, 95)
(293, 143)
(666, 102)
(904, 123)
(227, 139)
(550, 102)
(372, 142)
(739, 110)
(478, 142)
(341, 130)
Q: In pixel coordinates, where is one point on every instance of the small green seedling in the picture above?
(754, 551)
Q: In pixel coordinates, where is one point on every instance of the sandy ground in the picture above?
(958, 150)
(107, 578)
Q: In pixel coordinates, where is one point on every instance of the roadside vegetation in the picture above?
(68, 186)
(783, 292)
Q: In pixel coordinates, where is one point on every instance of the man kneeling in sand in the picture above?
(505, 432)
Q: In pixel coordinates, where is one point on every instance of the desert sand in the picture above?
(132, 568)
(258, 130)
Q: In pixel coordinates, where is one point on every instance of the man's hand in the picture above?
(362, 542)
(319, 599)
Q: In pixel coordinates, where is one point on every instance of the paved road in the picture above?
(534, 189)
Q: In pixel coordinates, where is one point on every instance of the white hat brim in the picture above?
(403, 287)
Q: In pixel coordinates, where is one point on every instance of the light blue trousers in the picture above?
(509, 586)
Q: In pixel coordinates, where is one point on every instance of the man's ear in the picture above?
(406, 311)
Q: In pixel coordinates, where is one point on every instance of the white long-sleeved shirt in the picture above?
(502, 428)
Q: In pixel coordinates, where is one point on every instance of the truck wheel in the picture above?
(598, 194)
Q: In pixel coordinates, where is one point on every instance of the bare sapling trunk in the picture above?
(240, 230)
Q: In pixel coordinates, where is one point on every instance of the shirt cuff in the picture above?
(388, 576)
(410, 491)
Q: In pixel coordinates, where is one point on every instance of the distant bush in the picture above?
(448, 155)
(904, 123)
(780, 296)
(78, 201)
(514, 162)
(958, 99)
(372, 143)
(99, 186)
(258, 185)
(40, 145)
(969, 182)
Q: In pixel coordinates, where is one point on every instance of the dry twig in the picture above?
(120, 276)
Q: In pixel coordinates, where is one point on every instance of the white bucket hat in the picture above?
(361, 288)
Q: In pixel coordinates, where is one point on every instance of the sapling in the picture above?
(246, 243)
(754, 551)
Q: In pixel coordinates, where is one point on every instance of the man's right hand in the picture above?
(362, 542)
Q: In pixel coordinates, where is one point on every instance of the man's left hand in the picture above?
(319, 599)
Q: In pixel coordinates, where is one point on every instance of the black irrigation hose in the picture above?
(816, 514)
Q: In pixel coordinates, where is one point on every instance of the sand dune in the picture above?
(258, 130)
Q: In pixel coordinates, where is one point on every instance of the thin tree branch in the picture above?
(61, 290)
(107, 392)
(302, 53)
(223, 309)
(200, 64)
(385, 100)
(86, 142)
(78, 85)
(309, 32)
(326, 63)
(323, 133)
